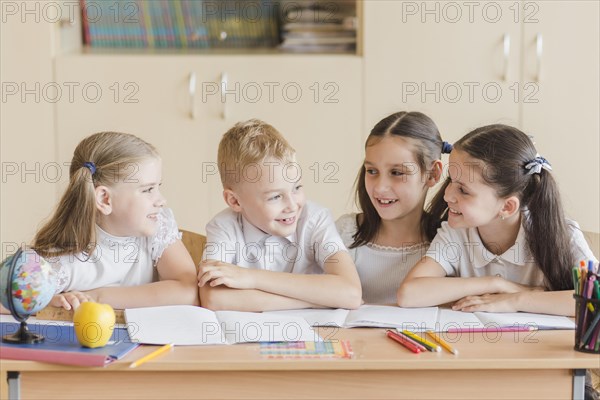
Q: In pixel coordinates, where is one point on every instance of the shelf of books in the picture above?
(304, 26)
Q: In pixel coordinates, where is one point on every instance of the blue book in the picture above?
(61, 346)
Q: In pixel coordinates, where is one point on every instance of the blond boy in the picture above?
(271, 249)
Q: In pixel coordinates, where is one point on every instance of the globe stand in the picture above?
(23, 335)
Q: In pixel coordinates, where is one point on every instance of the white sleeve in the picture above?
(166, 234)
(61, 273)
(444, 250)
(346, 227)
(221, 241)
(325, 237)
(579, 246)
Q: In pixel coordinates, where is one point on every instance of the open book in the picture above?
(191, 325)
(422, 319)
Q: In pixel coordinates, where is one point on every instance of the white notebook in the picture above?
(190, 325)
(422, 319)
(414, 319)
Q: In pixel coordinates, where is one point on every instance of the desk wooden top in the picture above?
(372, 351)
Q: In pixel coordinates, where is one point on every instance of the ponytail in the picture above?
(72, 227)
(102, 159)
(546, 231)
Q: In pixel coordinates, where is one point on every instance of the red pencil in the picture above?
(403, 341)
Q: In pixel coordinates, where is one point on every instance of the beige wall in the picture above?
(27, 135)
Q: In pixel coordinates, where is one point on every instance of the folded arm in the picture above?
(427, 285)
(221, 297)
(338, 287)
(177, 284)
(534, 301)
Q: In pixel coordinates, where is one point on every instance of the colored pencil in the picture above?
(442, 342)
(152, 355)
(403, 341)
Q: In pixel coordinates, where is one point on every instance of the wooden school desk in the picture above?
(505, 365)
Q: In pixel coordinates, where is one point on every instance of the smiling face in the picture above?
(395, 183)
(471, 202)
(131, 206)
(270, 196)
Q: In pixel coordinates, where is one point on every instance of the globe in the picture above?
(26, 286)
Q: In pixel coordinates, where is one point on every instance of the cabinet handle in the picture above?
(539, 50)
(66, 22)
(506, 48)
(224, 81)
(192, 90)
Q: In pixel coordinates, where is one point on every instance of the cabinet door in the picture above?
(457, 62)
(314, 102)
(563, 114)
(148, 96)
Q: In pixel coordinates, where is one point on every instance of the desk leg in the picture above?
(14, 385)
(578, 384)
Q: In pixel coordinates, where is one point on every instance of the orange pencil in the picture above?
(442, 342)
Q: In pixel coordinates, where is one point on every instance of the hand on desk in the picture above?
(215, 273)
(69, 300)
(499, 302)
(504, 301)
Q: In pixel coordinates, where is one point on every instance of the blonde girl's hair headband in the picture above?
(446, 147)
(91, 166)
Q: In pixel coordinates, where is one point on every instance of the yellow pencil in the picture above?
(434, 347)
(442, 342)
(152, 355)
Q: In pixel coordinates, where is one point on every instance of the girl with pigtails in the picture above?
(111, 239)
(393, 230)
(506, 236)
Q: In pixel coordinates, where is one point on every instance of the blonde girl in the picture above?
(111, 239)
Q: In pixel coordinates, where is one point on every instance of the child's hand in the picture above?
(215, 273)
(69, 300)
(500, 302)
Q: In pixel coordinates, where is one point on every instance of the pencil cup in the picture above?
(587, 324)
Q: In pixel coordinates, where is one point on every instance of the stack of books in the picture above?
(179, 24)
(319, 28)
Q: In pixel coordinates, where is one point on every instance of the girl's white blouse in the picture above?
(116, 261)
(381, 268)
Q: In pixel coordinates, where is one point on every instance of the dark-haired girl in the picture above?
(506, 235)
(402, 162)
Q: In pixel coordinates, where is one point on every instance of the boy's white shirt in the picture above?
(461, 253)
(117, 261)
(234, 240)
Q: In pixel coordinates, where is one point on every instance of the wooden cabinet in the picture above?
(562, 56)
(445, 59)
(533, 65)
(465, 64)
(314, 101)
